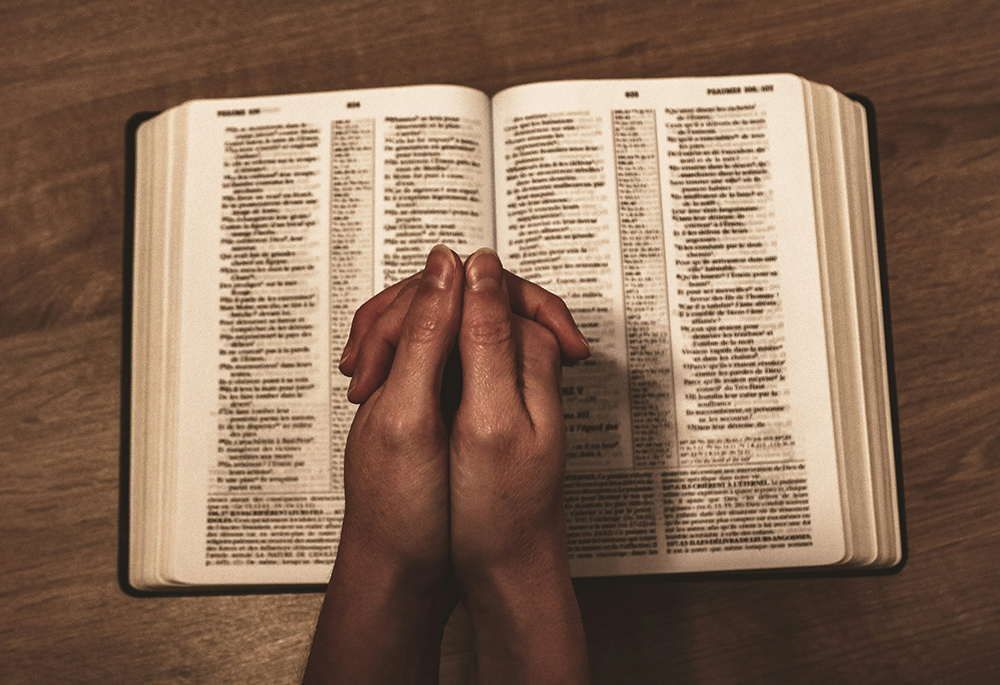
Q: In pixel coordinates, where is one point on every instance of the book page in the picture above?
(676, 219)
(298, 209)
(837, 281)
(875, 370)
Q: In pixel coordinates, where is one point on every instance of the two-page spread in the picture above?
(714, 238)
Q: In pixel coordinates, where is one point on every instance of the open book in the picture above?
(715, 238)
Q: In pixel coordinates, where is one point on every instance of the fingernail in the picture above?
(482, 273)
(585, 341)
(344, 355)
(440, 266)
(354, 381)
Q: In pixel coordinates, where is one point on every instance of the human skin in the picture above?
(508, 460)
(470, 502)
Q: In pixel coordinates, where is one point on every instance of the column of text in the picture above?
(644, 273)
(352, 254)
(432, 192)
(559, 237)
(728, 292)
(272, 434)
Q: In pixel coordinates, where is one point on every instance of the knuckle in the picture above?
(488, 331)
(362, 363)
(404, 428)
(555, 306)
(496, 431)
(562, 310)
(498, 445)
(358, 322)
(423, 327)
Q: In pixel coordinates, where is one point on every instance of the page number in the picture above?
(631, 93)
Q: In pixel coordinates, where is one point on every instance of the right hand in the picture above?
(507, 458)
(508, 439)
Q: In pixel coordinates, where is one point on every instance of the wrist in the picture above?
(378, 576)
(376, 625)
(519, 592)
(527, 623)
(382, 555)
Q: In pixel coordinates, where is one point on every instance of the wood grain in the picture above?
(70, 76)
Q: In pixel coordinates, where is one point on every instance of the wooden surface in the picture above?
(70, 76)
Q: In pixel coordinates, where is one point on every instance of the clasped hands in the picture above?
(472, 500)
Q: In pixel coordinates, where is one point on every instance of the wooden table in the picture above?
(70, 76)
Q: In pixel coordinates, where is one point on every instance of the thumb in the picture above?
(430, 328)
(486, 340)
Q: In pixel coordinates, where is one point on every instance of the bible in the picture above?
(718, 241)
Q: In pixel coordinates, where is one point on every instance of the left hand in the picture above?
(396, 459)
(389, 596)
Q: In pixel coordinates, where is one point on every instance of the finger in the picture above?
(429, 330)
(538, 304)
(369, 359)
(485, 340)
(540, 373)
(373, 360)
(365, 317)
